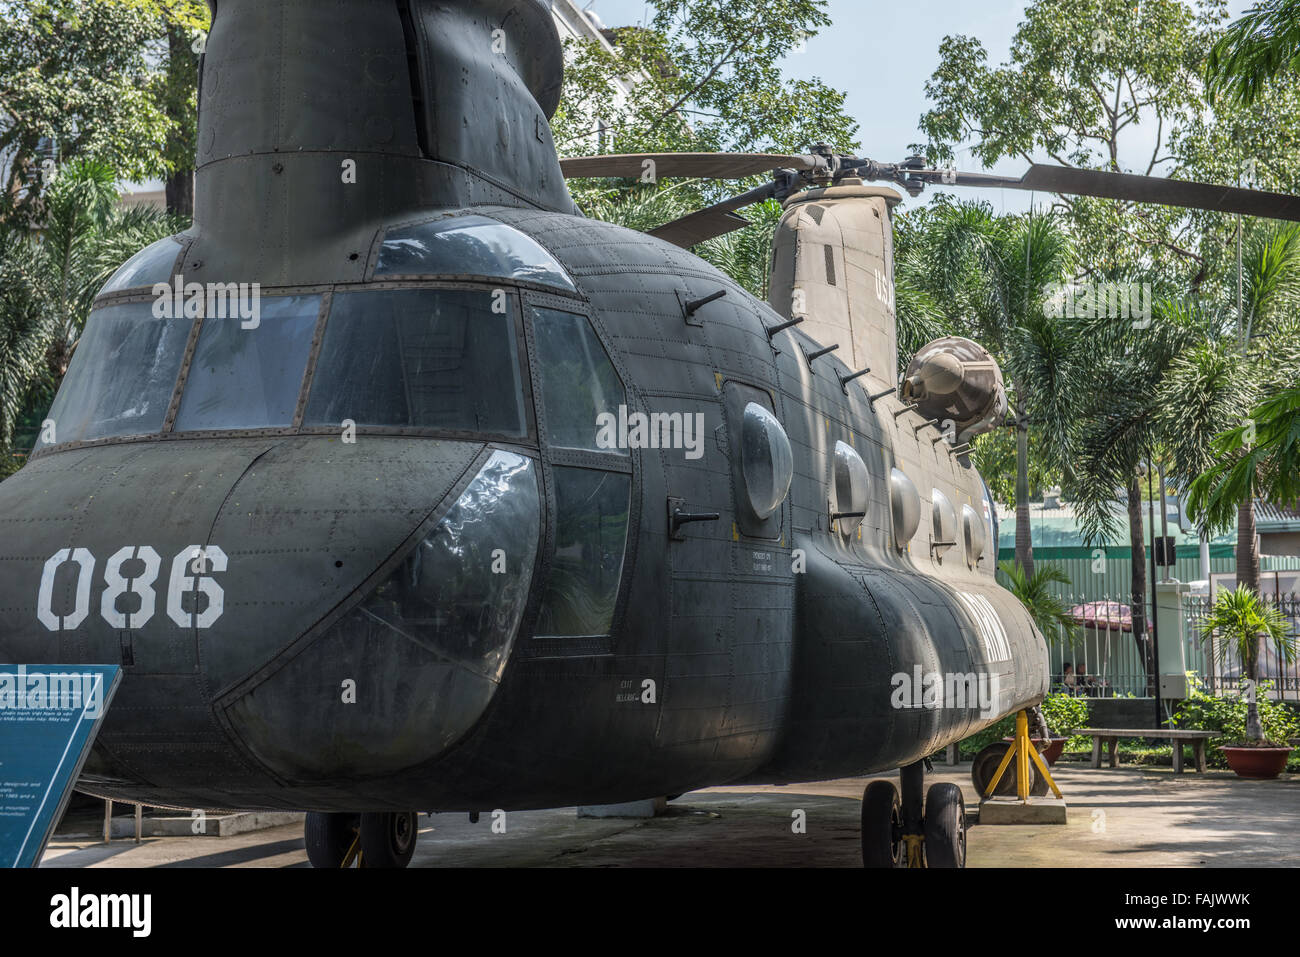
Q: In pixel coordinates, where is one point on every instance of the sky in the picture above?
(883, 53)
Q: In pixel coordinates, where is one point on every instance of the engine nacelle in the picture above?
(956, 379)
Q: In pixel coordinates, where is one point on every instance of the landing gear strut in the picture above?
(902, 831)
(364, 840)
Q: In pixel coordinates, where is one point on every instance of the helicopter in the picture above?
(395, 483)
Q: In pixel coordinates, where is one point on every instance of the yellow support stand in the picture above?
(1023, 750)
(912, 856)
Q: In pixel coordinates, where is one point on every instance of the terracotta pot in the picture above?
(1050, 753)
(1257, 763)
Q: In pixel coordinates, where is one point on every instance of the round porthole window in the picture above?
(945, 522)
(904, 506)
(849, 480)
(972, 535)
(767, 463)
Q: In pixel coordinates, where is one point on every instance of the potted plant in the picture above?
(1242, 622)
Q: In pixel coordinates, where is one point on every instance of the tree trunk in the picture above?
(1247, 547)
(1024, 538)
(180, 193)
(1248, 575)
(1138, 597)
(182, 73)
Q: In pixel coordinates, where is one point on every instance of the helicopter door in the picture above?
(732, 587)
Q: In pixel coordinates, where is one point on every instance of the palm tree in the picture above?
(1117, 423)
(49, 278)
(1049, 612)
(1221, 380)
(1243, 622)
(1259, 459)
(1260, 45)
(997, 271)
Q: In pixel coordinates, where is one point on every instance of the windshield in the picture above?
(429, 359)
(420, 358)
(247, 374)
(122, 375)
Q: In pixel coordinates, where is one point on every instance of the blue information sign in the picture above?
(49, 716)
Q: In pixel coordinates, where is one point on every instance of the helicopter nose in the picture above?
(316, 607)
(396, 675)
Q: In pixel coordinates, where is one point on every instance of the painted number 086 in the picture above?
(187, 577)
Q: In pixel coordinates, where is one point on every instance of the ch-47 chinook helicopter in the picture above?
(474, 503)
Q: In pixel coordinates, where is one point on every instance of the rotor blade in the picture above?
(707, 165)
(697, 227)
(1139, 189)
(713, 220)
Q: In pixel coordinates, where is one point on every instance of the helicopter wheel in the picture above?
(330, 838)
(388, 839)
(986, 764)
(882, 825)
(945, 826)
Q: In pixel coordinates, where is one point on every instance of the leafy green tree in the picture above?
(1261, 45)
(701, 75)
(184, 23)
(76, 81)
(1083, 75)
(698, 77)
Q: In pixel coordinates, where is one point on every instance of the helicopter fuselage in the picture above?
(461, 595)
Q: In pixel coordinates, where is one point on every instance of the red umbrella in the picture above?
(1104, 616)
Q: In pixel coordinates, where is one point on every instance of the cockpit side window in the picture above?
(592, 508)
(580, 388)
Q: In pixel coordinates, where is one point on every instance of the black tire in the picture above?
(986, 764)
(882, 825)
(945, 826)
(328, 838)
(388, 839)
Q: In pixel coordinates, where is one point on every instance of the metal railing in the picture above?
(1104, 663)
(1224, 672)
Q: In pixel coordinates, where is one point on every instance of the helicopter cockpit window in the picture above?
(150, 265)
(420, 358)
(590, 540)
(468, 246)
(122, 375)
(246, 374)
(579, 383)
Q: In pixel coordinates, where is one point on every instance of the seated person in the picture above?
(1069, 680)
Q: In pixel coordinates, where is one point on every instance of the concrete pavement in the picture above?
(1138, 817)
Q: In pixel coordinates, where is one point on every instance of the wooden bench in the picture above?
(1111, 738)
